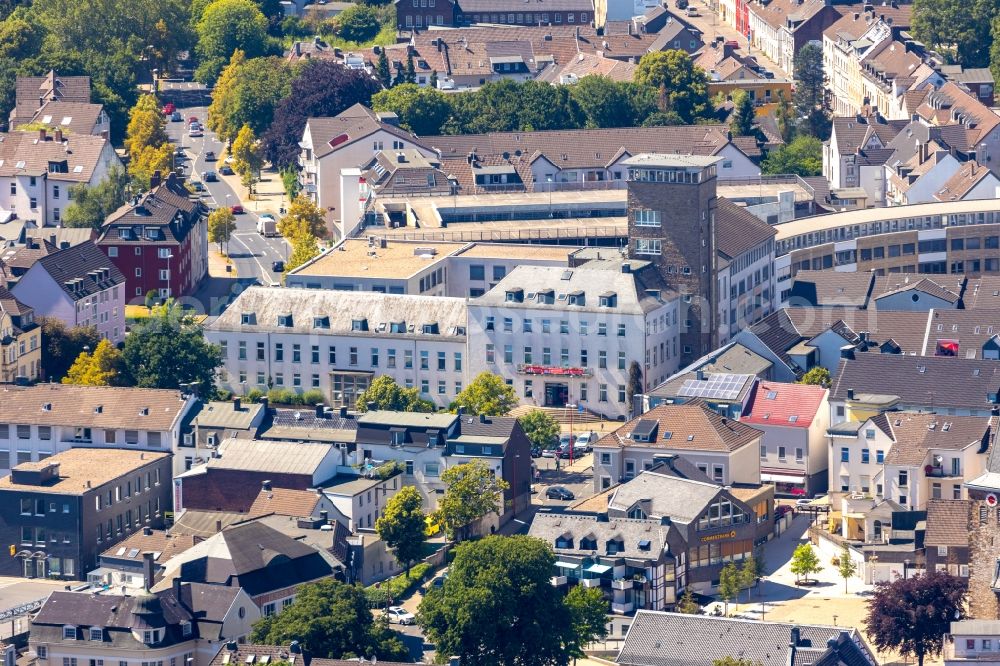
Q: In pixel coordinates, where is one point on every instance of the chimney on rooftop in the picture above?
(372, 406)
(266, 485)
(324, 517)
(218, 526)
(263, 401)
(41, 134)
(58, 135)
(155, 179)
(176, 584)
(237, 403)
(343, 412)
(850, 394)
(320, 408)
(147, 571)
(147, 531)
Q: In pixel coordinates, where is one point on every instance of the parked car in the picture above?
(691, 11)
(682, 4)
(559, 493)
(196, 185)
(176, 117)
(278, 266)
(209, 176)
(536, 451)
(805, 501)
(585, 442)
(400, 615)
(236, 209)
(209, 156)
(439, 580)
(226, 170)
(549, 453)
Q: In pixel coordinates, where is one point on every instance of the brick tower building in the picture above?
(671, 222)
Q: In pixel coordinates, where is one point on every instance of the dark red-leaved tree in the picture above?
(912, 615)
(323, 88)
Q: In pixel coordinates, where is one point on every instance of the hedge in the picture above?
(397, 587)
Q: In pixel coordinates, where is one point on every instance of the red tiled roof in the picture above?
(775, 404)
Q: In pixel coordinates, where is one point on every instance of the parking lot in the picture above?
(577, 478)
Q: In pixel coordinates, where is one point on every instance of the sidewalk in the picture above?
(217, 263)
(270, 191)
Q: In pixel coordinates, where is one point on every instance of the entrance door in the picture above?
(556, 394)
(29, 567)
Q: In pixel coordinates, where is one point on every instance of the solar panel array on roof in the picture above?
(718, 386)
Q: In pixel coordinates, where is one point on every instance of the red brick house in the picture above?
(159, 240)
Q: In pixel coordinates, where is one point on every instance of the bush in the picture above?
(223, 395)
(313, 397)
(283, 396)
(398, 587)
(254, 395)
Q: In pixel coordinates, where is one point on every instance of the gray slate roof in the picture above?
(674, 639)
(341, 308)
(549, 526)
(682, 500)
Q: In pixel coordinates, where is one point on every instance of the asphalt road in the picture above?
(577, 481)
(252, 254)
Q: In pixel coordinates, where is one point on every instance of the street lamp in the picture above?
(763, 600)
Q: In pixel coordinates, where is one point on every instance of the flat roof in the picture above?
(675, 161)
(817, 223)
(355, 257)
(407, 419)
(518, 251)
(82, 466)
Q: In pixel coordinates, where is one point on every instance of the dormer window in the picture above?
(248, 318)
(150, 636)
(96, 634)
(397, 327)
(69, 632)
(515, 296)
(321, 322)
(431, 329)
(588, 543)
(565, 541)
(615, 546)
(546, 296)
(577, 298)
(285, 320)
(186, 629)
(359, 324)
(609, 299)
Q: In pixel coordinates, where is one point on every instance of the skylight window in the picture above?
(771, 395)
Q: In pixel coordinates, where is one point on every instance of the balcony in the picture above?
(626, 607)
(937, 472)
(558, 580)
(622, 584)
(590, 582)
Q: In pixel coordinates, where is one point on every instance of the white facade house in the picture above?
(338, 341)
(346, 141)
(972, 642)
(568, 335)
(79, 286)
(37, 171)
(42, 420)
(745, 270)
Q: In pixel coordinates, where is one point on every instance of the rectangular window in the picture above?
(845, 454)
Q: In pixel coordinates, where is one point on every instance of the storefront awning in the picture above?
(598, 568)
(567, 565)
(781, 478)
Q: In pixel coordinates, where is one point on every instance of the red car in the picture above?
(169, 108)
(193, 119)
(237, 210)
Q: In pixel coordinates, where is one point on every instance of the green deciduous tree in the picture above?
(912, 615)
(683, 87)
(358, 23)
(803, 156)
(506, 579)
(146, 141)
(742, 121)
(588, 612)
(748, 575)
(92, 205)
(634, 386)
(221, 225)
(805, 562)
(225, 26)
(473, 492)
(818, 376)
(331, 619)
(847, 567)
(402, 525)
(487, 394)
(608, 103)
(502, 106)
(959, 31)
(168, 350)
(100, 368)
(729, 584)
(303, 218)
(390, 396)
(785, 118)
(423, 111)
(542, 430)
(247, 93)
(61, 345)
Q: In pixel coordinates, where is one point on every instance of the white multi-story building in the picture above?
(39, 421)
(338, 341)
(569, 335)
(37, 171)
